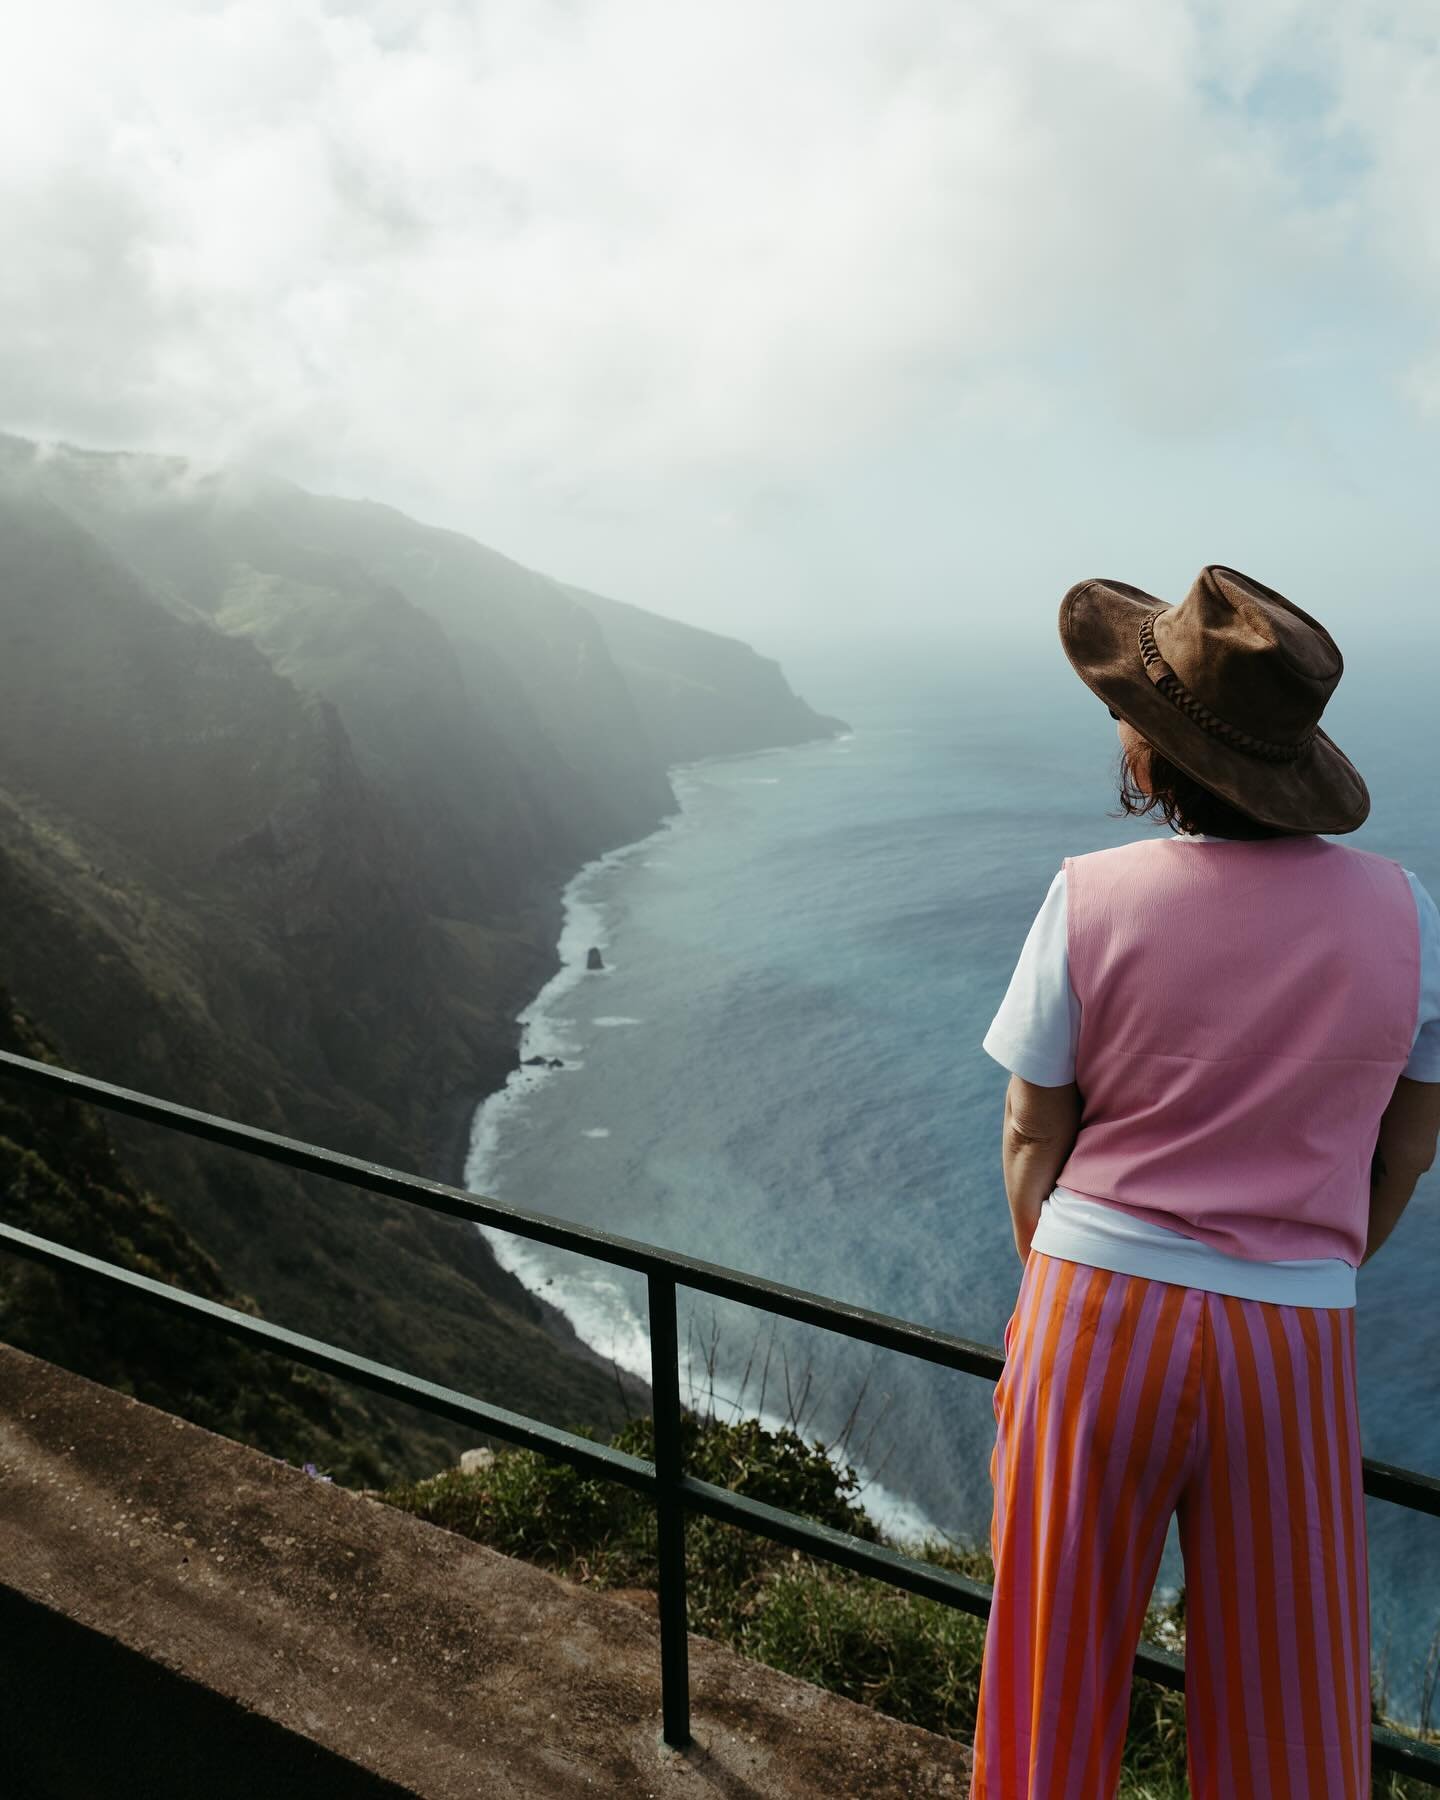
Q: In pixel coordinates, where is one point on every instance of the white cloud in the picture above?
(586, 251)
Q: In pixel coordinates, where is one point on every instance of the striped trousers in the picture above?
(1124, 1400)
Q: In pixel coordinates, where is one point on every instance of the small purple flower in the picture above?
(310, 1469)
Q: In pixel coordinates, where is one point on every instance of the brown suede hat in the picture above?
(1229, 686)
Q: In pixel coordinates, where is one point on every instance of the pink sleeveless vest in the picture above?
(1245, 1010)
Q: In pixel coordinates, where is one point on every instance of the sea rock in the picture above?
(594, 960)
(536, 1062)
(555, 1063)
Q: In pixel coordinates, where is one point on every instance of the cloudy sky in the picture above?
(769, 313)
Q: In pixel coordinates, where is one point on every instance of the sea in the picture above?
(779, 1068)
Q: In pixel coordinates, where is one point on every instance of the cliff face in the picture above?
(288, 787)
(534, 662)
(463, 680)
(699, 694)
(219, 807)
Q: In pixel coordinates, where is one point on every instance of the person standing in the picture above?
(1224, 1051)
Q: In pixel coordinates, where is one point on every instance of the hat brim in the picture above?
(1320, 791)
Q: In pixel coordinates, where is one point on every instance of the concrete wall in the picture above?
(81, 1716)
(182, 1615)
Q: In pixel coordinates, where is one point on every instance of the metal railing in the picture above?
(664, 1482)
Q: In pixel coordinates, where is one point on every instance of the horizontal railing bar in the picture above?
(1390, 1750)
(772, 1296)
(447, 1403)
(1383, 1481)
(1405, 1756)
(928, 1580)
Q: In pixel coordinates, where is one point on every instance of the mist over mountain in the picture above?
(289, 787)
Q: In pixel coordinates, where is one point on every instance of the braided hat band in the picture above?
(1175, 690)
(1235, 644)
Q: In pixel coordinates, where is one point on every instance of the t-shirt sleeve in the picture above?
(1424, 1063)
(1035, 1032)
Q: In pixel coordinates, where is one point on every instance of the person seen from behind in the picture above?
(1224, 1056)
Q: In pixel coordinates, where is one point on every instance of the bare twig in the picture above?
(620, 1389)
(1430, 1681)
(842, 1441)
(765, 1371)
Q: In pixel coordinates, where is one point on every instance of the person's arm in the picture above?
(1404, 1150)
(1041, 1125)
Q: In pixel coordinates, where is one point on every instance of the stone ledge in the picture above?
(404, 1651)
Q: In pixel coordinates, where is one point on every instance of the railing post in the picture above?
(670, 1513)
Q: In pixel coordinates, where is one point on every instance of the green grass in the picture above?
(912, 1658)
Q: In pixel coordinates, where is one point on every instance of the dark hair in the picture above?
(1183, 803)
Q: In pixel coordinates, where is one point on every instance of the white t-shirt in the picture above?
(1035, 1034)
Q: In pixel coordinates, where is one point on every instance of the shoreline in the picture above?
(900, 1518)
(453, 1133)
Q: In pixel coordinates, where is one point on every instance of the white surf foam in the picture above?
(595, 1302)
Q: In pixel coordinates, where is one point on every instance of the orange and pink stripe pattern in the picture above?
(1124, 1400)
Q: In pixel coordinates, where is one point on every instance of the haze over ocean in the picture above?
(780, 1067)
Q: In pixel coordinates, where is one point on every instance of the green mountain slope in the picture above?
(289, 787)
